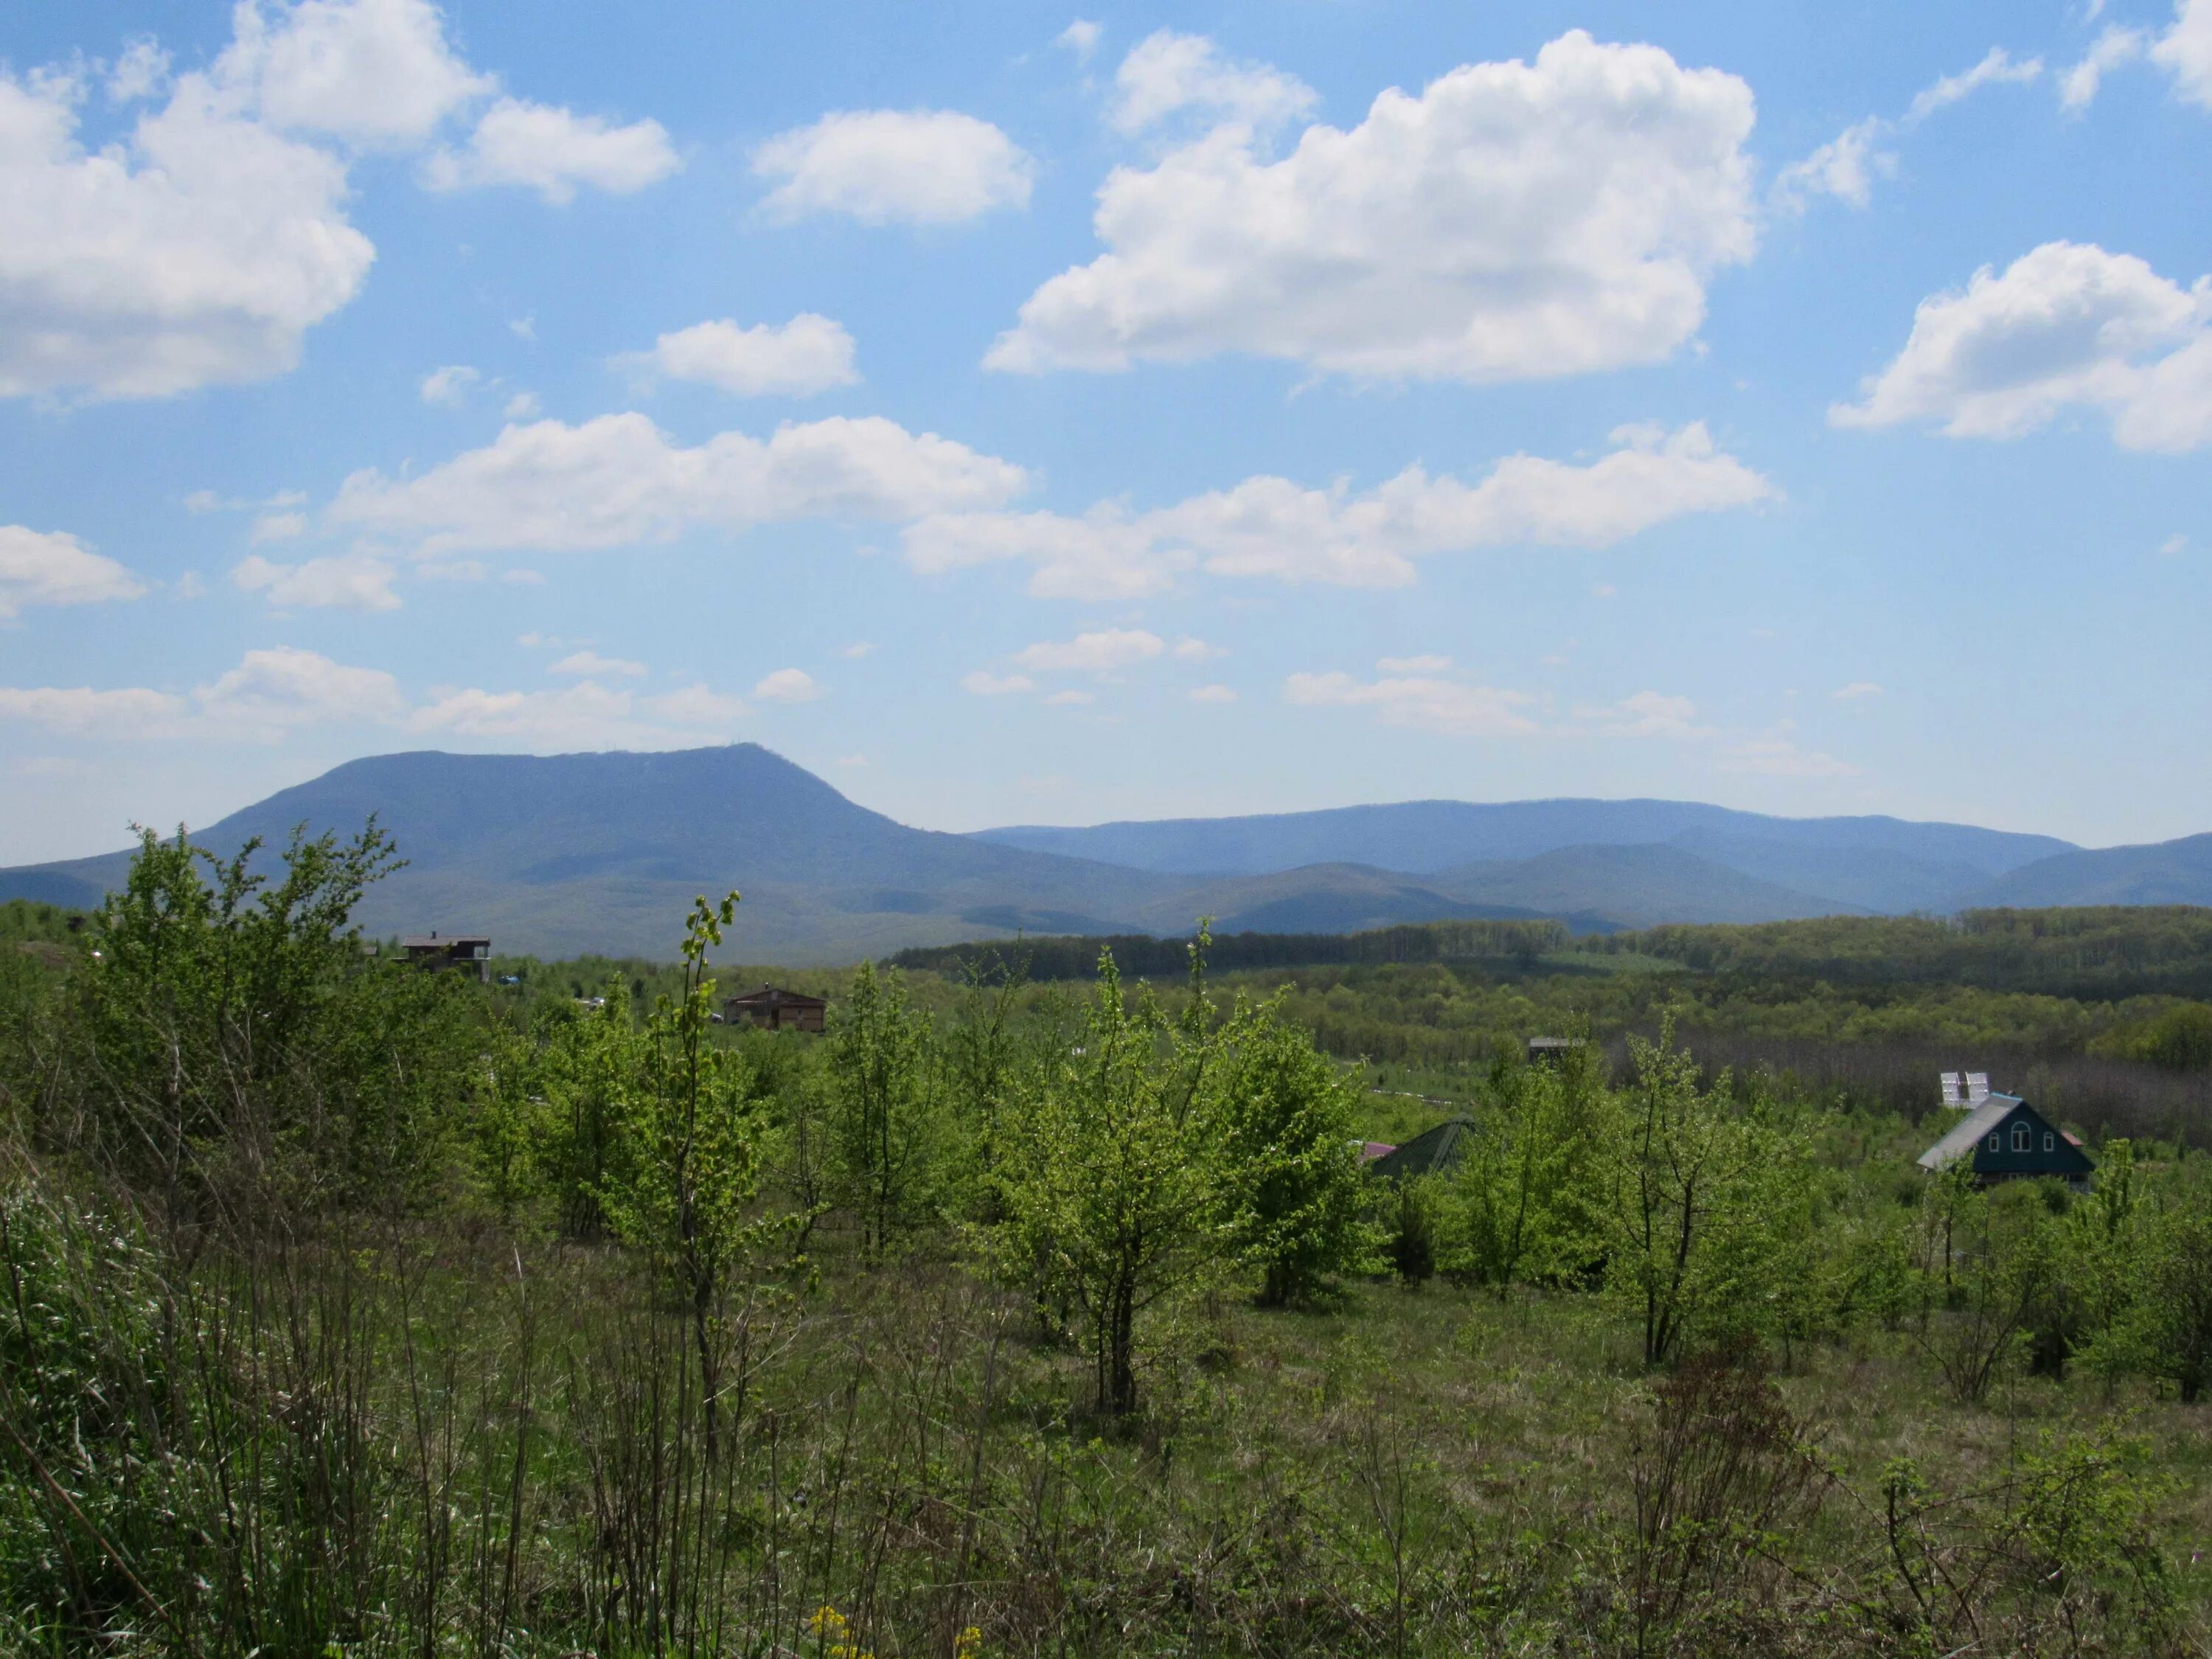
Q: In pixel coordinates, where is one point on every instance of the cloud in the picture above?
(1070, 698)
(2068, 325)
(370, 72)
(590, 665)
(1270, 526)
(2113, 49)
(51, 567)
(2174, 544)
(1169, 73)
(618, 481)
(809, 354)
(1098, 652)
(1081, 38)
(1424, 703)
(1855, 689)
(1212, 694)
(1997, 67)
(1415, 664)
(2186, 51)
(859, 648)
(585, 715)
(80, 711)
(197, 250)
(787, 685)
(141, 70)
(1192, 649)
(1777, 755)
(1846, 165)
(552, 151)
(523, 406)
(273, 690)
(1646, 715)
(992, 685)
(1844, 168)
(449, 384)
(881, 166)
(1512, 222)
(278, 527)
(697, 705)
(347, 583)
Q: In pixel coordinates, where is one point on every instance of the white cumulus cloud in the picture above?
(1170, 73)
(351, 583)
(448, 383)
(809, 354)
(880, 166)
(787, 685)
(197, 250)
(551, 151)
(1269, 526)
(1846, 166)
(272, 690)
(2113, 48)
(619, 480)
(371, 72)
(589, 665)
(51, 567)
(2185, 49)
(1777, 755)
(1081, 38)
(1513, 221)
(1646, 715)
(982, 684)
(585, 715)
(81, 711)
(1424, 702)
(2067, 325)
(1097, 652)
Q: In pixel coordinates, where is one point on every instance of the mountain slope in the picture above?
(1631, 886)
(2163, 872)
(1874, 863)
(566, 853)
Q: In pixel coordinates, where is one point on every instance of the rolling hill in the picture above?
(1851, 863)
(564, 854)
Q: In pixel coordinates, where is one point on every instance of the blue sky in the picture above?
(1020, 416)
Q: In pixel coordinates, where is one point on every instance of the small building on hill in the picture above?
(468, 953)
(2009, 1140)
(1432, 1151)
(776, 1009)
(1550, 1050)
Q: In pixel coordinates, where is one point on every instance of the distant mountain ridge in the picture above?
(561, 855)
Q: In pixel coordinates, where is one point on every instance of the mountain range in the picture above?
(566, 854)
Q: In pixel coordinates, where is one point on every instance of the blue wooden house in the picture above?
(2009, 1140)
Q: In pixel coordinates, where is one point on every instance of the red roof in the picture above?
(1371, 1150)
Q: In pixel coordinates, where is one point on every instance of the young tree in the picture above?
(886, 1131)
(1706, 1206)
(1527, 1189)
(1109, 1194)
(1283, 1123)
(2166, 1331)
(689, 1153)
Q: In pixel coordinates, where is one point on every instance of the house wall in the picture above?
(2063, 1159)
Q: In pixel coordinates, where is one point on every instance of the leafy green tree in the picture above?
(1109, 1193)
(690, 1152)
(1284, 1124)
(1529, 1189)
(1706, 1207)
(2165, 1330)
(887, 1126)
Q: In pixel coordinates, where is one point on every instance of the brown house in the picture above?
(469, 952)
(776, 1009)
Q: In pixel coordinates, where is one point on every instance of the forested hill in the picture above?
(2096, 953)
(2092, 952)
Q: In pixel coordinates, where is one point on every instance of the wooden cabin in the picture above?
(2009, 1140)
(776, 1009)
(468, 953)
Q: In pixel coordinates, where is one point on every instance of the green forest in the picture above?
(353, 1308)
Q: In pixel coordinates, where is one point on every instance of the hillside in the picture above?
(571, 855)
(2163, 872)
(1848, 863)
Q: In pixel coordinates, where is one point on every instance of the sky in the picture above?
(1022, 416)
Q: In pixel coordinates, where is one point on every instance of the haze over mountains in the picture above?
(564, 854)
